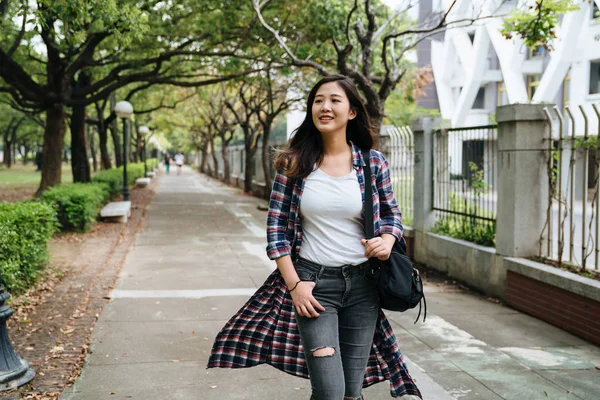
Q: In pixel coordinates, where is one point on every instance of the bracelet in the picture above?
(295, 286)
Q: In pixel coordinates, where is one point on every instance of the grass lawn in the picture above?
(25, 174)
(21, 181)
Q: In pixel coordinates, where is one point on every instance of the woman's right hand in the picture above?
(304, 300)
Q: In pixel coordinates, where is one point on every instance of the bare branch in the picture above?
(19, 37)
(295, 60)
(348, 20)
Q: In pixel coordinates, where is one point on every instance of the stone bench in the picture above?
(150, 174)
(117, 211)
(142, 182)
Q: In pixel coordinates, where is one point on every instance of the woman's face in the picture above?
(331, 109)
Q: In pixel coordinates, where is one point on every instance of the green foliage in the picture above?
(477, 181)
(467, 227)
(77, 204)
(537, 25)
(25, 229)
(462, 228)
(152, 163)
(113, 178)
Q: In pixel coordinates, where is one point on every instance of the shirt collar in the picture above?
(357, 158)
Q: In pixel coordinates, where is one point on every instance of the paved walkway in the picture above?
(201, 255)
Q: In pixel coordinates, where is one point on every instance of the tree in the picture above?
(537, 24)
(273, 97)
(217, 121)
(84, 61)
(246, 118)
(369, 43)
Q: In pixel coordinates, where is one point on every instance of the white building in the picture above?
(476, 69)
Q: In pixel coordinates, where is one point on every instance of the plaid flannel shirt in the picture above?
(264, 330)
(284, 230)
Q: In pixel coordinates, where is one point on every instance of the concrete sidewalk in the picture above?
(199, 258)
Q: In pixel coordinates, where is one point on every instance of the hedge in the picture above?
(25, 229)
(152, 163)
(113, 177)
(77, 204)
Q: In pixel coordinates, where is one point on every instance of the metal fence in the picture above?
(572, 227)
(401, 157)
(464, 178)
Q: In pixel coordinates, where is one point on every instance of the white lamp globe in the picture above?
(124, 109)
(143, 130)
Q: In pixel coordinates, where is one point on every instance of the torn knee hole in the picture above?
(323, 352)
(352, 398)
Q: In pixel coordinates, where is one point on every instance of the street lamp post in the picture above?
(124, 109)
(14, 371)
(144, 131)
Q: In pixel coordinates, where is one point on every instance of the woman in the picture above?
(318, 315)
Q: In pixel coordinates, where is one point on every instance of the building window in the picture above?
(533, 81)
(595, 76)
(595, 14)
(537, 52)
(502, 96)
(566, 89)
(479, 102)
(472, 37)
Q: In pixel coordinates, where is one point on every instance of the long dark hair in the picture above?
(305, 148)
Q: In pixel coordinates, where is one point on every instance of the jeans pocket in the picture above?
(305, 274)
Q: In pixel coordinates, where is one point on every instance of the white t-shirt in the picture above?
(179, 159)
(332, 220)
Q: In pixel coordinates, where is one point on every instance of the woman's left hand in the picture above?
(379, 247)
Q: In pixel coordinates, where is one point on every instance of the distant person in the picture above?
(179, 162)
(167, 162)
(38, 161)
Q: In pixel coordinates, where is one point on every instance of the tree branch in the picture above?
(295, 60)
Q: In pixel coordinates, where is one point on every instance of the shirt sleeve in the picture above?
(278, 244)
(390, 215)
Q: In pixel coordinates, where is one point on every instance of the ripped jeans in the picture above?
(345, 330)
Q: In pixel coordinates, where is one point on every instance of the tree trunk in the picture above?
(54, 136)
(26, 150)
(114, 132)
(204, 159)
(214, 157)
(79, 156)
(92, 148)
(7, 153)
(266, 162)
(103, 140)
(105, 162)
(248, 169)
(226, 166)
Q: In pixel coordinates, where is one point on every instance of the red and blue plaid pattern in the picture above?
(284, 231)
(264, 330)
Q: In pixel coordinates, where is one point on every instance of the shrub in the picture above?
(152, 163)
(77, 204)
(113, 177)
(25, 229)
(464, 228)
(134, 171)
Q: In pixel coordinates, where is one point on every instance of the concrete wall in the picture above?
(522, 187)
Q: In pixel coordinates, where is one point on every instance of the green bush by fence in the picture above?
(25, 229)
(77, 204)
